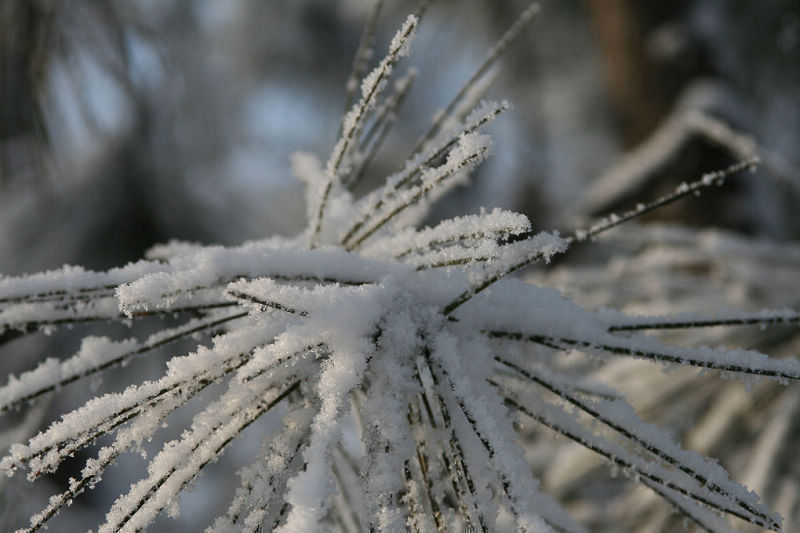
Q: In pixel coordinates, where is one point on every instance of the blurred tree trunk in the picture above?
(636, 40)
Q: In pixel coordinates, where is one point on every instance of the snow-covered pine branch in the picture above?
(398, 358)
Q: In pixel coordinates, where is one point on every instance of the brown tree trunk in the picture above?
(641, 90)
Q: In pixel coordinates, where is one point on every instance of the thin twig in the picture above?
(790, 317)
(683, 190)
(361, 59)
(561, 343)
(492, 56)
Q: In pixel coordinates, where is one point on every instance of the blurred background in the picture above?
(128, 123)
